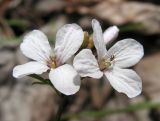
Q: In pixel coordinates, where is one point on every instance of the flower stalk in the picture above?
(44, 81)
(61, 108)
(63, 97)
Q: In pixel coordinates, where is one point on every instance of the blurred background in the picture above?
(22, 101)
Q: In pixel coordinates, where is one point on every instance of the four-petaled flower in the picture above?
(36, 47)
(112, 63)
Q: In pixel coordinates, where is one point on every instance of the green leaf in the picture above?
(132, 27)
(109, 112)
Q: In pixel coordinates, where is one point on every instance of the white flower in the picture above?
(111, 63)
(36, 47)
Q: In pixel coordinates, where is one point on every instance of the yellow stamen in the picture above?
(52, 63)
(104, 64)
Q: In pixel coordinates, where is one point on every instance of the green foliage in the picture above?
(131, 27)
(109, 112)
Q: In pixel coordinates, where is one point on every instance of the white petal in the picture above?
(110, 34)
(36, 46)
(127, 52)
(86, 64)
(125, 81)
(68, 40)
(29, 68)
(98, 39)
(65, 79)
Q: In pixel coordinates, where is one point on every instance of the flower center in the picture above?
(106, 63)
(52, 62)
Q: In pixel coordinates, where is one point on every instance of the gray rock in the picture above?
(149, 71)
(48, 6)
(26, 103)
(7, 62)
(122, 101)
(53, 26)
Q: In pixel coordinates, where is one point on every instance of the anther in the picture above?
(112, 57)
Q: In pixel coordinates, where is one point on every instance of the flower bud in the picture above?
(110, 34)
(85, 40)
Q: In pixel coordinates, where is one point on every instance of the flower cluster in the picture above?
(65, 77)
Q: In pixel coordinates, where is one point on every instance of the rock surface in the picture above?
(149, 71)
(26, 103)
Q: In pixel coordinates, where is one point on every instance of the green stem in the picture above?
(61, 108)
(43, 81)
(109, 112)
(37, 77)
(63, 100)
